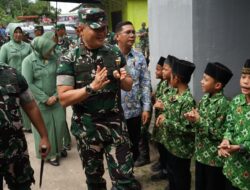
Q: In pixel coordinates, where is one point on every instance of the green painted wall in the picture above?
(137, 12)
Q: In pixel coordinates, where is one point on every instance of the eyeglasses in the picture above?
(129, 32)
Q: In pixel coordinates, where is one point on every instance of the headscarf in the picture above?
(42, 45)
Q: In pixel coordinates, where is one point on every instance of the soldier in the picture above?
(63, 44)
(144, 42)
(38, 30)
(90, 80)
(13, 53)
(179, 141)
(209, 121)
(64, 41)
(14, 159)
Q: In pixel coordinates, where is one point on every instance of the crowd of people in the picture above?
(108, 85)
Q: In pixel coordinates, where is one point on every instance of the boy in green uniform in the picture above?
(209, 121)
(179, 142)
(236, 144)
(162, 93)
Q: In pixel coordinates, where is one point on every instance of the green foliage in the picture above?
(10, 9)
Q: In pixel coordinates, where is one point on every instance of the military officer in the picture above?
(90, 78)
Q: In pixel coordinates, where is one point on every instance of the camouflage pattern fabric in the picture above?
(96, 120)
(236, 166)
(64, 44)
(94, 17)
(210, 129)
(14, 158)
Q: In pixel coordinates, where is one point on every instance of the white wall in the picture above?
(170, 31)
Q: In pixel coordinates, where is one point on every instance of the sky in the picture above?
(65, 7)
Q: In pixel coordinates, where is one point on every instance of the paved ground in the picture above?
(69, 175)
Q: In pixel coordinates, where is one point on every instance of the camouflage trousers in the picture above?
(18, 174)
(119, 161)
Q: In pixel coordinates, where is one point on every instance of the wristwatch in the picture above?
(89, 90)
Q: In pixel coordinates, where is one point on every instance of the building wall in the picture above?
(170, 31)
(137, 12)
(221, 33)
(201, 31)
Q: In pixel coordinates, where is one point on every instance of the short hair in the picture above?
(118, 27)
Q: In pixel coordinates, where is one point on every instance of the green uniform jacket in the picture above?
(41, 77)
(237, 166)
(13, 53)
(180, 134)
(210, 129)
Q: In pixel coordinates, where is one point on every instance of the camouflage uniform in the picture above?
(96, 122)
(14, 158)
(144, 41)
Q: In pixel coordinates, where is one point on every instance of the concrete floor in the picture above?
(70, 175)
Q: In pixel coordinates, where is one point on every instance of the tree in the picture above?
(10, 9)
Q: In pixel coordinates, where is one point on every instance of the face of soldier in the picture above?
(18, 35)
(93, 38)
(126, 37)
(166, 72)
(38, 33)
(245, 85)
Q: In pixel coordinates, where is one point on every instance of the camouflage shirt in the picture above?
(77, 69)
(237, 166)
(210, 128)
(12, 140)
(64, 44)
(180, 134)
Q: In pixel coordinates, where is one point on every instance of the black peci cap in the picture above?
(184, 69)
(219, 72)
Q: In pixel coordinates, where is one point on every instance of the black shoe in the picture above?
(159, 176)
(54, 162)
(67, 147)
(141, 162)
(156, 167)
(64, 153)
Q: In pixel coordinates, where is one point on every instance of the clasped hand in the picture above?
(101, 77)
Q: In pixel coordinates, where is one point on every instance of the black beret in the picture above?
(183, 68)
(161, 61)
(219, 72)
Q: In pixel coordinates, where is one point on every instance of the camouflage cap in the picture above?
(94, 17)
(59, 26)
(38, 27)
